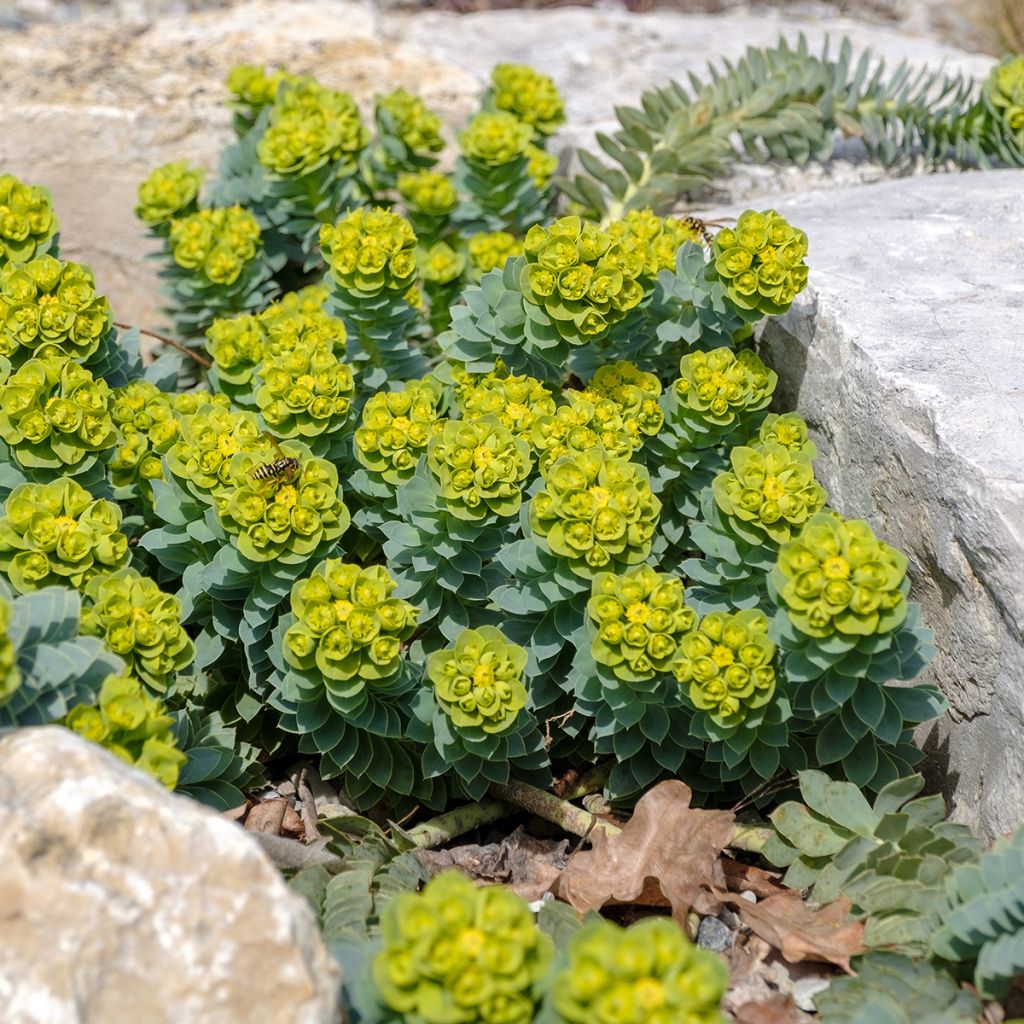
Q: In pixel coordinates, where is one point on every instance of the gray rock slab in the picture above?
(906, 355)
(124, 904)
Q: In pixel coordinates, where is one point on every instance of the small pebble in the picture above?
(748, 896)
(714, 935)
(286, 789)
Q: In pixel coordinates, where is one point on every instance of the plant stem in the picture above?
(455, 823)
(163, 339)
(751, 838)
(589, 782)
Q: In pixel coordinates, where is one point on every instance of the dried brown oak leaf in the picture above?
(668, 853)
(802, 932)
(778, 1010)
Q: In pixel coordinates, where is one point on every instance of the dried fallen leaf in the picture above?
(292, 824)
(778, 1010)
(802, 932)
(236, 813)
(742, 877)
(667, 853)
(267, 816)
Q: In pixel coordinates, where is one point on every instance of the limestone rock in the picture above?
(123, 904)
(905, 356)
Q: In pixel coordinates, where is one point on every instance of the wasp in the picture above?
(283, 468)
(702, 226)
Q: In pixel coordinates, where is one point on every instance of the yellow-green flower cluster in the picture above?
(761, 261)
(583, 279)
(479, 681)
(370, 251)
(396, 428)
(54, 414)
(10, 675)
(133, 726)
(139, 622)
(418, 127)
(571, 431)
(727, 662)
(145, 417)
(480, 467)
(838, 577)
(517, 401)
(1005, 92)
(635, 395)
(540, 166)
(532, 97)
(491, 250)
(459, 954)
(305, 392)
(310, 126)
(27, 220)
(596, 511)
(210, 437)
(168, 191)
(428, 192)
(638, 618)
(441, 264)
(651, 239)
(648, 973)
(218, 243)
(252, 86)
(348, 624)
(49, 307)
(770, 488)
(287, 515)
(495, 139)
(716, 388)
(58, 534)
(789, 430)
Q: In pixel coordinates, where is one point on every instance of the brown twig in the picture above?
(308, 806)
(163, 339)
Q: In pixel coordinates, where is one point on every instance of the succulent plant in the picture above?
(28, 225)
(835, 576)
(596, 511)
(50, 308)
(517, 401)
(529, 95)
(132, 726)
(458, 954)
(540, 166)
(490, 250)
(761, 261)
(651, 239)
(1004, 94)
(252, 87)
(494, 139)
(146, 419)
(57, 533)
(648, 973)
(430, 198)
(171, 191)
(789, 430)
(418, 128)
(139, 623)
(727, 663)
(10, 674)
(215, 244)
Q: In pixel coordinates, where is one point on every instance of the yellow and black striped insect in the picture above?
(283, 468)
(702, 226)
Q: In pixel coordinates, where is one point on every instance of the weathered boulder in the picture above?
(124, 904)
(905, 355)
(91, 106)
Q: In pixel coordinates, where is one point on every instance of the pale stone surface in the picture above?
(905, 356)
(123, 904)
(92, 106)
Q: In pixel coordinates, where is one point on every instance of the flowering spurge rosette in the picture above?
(440, 267)
(761, 262)
(769, 490)
(28, 225)
(430, 198)
(55, 417)
(648, 973)
(10, 674)
(473, 714)
(282, 517)
(217, 267)
(170, 191)
(493, 170)
(49, 307)
(408, 136)
(540, 166)
(148, 425)
(491, 250)
(59, 534)
(305, 394)
(789, 430)
(139, 623)
(576, 429)
(531, 96)
(652, 239)
(132, 726)
(480, 468)
(597, 512)
(252, 89)
(846, 629)
(1004, 96)
(517, 401)
(458, 954)
(371, 259)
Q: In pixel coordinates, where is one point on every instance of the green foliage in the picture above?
(1004, 96)
(528, 95)
(28, 225)
(645, 973)
(170, 192)
(132, 726)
